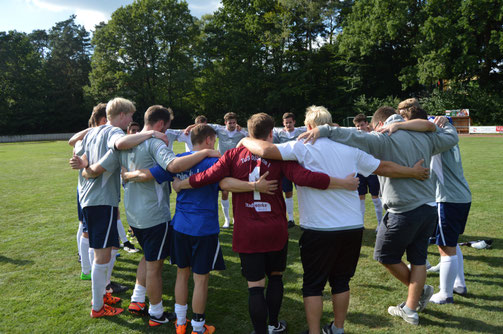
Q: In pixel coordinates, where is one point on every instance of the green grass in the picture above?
(42, 293)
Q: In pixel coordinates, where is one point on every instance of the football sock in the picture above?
(289, 207)
(181, 313)
(460, 274)
(274, 297)
(122, 232)
(225, 209)
(378, 207)
(98, 280)
(198, 321)
(139, 293)
(362, 208)
(79, 234)
(111, 264)
(85, 263)
(156, 310)
(257, 307)
(448, 270)
(337, 330)
(91, 255)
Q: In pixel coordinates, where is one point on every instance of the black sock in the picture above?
(198, 317)
(258, 309)
(274, 297)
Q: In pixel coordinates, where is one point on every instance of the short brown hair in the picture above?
(119, 105)
(415, 113)
(260, 125)
(230, 115)
(289, 115)
(405, 106)
(359, 118)
(157, 113)
(382, 114)
(201, 120)
(99, 111)
(133, 124)
(200, 132)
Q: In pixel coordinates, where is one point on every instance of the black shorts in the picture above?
(155, 241)
(287, 185)
(405, 232)
(371, 183)
(202, 253)
(101, 223)
(255, 266)
(329, 255)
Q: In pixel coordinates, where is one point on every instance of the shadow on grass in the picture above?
(18, 262)
(448, 320)
(368, 320)
(377, 287)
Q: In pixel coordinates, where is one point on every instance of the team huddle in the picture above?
(257, 166)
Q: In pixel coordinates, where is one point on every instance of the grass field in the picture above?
(39, 272)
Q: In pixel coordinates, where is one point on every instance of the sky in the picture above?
(28, 15)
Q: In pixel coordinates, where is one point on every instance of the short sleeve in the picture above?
(161, 153)
(160, 174)
(366, 164)
(110, 161)
(115, 134)
(290, 151)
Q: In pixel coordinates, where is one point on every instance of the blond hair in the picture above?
(119, 105)
(316, 116)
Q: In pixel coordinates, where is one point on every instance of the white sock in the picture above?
(156, 310)
(198, 326)
(91, 255)
(98, 282)
(448, 269)
(289, 208)
(85, 263)
(139, 293)
(111, 264)
(181, 313)
(79, 234)
(378, 207)
(225, 209)
(122, 231)
(460, 277)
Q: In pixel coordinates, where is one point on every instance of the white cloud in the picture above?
(90, 18)
(47, 5)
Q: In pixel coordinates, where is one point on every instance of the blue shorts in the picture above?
(287, 185)
(202, 253)
(371, 183)
(102, 226)
(155, 241)
(452, 219)
(407, 231)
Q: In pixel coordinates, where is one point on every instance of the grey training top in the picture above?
(227, 139)
(447, 172)
(404, 148)
(146, 203)
(105, 189)
(280, 135)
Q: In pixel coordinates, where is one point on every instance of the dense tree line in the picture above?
(257, 55)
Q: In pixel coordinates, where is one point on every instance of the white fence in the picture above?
(43, 137)
(486, 129)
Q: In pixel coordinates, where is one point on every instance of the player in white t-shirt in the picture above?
(330, 243)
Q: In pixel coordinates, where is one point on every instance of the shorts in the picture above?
(452, 219)
(202, 253)
(155, 241)
(371, 183)
(329, 255)
(255, 266)
(287, 185)
(101, 223)
(405, 232)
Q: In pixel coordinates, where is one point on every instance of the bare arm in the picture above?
(130, 141)
(93, 171)
(261, 185)
(180, 185)
(189, 128)
(140, 175)
(262, 148)
(391, 169)
(183, 163)
(78, 136)
(350, 182)
(420, 125)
